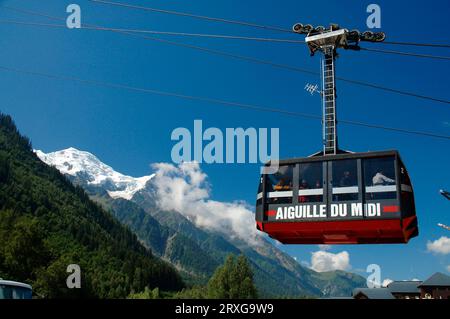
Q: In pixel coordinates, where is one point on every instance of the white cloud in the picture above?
(386, 282)
(324, 247)
(184, 189)
(322, 261)
(448, 268)
(439, 246)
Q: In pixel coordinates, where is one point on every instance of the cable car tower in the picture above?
(328, 41)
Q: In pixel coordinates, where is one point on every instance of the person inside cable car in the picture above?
(303, 185)
(381, 179)
(345, 180)
(318, 198)
(282, 186)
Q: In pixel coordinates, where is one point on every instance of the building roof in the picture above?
(374, 293)
(406, 287)
(438, 279)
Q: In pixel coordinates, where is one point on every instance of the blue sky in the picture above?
(130, 130)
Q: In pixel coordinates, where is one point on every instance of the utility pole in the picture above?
(445, 194)
(327, 41)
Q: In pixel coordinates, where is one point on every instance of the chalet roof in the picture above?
(374, 293)
(411, 287)
(438, 279)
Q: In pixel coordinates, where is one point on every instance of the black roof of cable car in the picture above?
(346, 155)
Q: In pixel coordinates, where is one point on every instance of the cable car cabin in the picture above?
(349, 198)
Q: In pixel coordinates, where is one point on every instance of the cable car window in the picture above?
(345, 180)
(311, 182)
(279, 185)
(379, 178)
(407, 196)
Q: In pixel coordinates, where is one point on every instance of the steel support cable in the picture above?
(216, 101)
(247, 58)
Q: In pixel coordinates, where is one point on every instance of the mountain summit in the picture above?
(87, 166)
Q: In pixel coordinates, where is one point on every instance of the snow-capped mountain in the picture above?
(80, 163)
(191, 243)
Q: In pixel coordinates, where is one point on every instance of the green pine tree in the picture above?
(155, 293)
(233, 280)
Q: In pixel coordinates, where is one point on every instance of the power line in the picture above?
(194, 47)
(244, 23)
(247, 59)
(387, 89)
(158, 92)
(429, 56)
(215, 101)
(185, 34)
(217, 36)
(32, 12)
(185, 14)
(431, 45)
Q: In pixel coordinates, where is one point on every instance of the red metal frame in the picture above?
(342, 232)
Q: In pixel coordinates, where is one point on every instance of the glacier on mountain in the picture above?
(75, 162)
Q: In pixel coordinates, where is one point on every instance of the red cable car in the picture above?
(337, 197)
(348, 198)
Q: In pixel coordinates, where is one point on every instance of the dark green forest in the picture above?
(46, 224)
(232, 280)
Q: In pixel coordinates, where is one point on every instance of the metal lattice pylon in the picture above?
(330, 143)
(327, 41)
